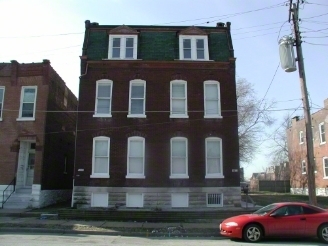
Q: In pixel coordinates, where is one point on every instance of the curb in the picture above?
(131, 234)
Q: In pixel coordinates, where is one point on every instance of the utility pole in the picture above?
(307, 114)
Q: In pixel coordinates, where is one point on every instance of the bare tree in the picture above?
(253, 116)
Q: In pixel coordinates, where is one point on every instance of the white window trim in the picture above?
(3, 98)
(137, 82)
(122, 46)
(214, 175)
(193, 39)
(100, 175)
(320, 132)
(301, 136)
(133, 175)
(128, 201)
(303, 164)
(214, 205)
(325, 175)
(212, 82)
(179, 176)
(20, 118)
(104, 82)
(185, 115)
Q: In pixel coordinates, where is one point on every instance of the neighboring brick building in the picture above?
(297, 152)
(146, 134)
(37, 124)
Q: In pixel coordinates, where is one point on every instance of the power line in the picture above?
(46, 35)
(315, 44)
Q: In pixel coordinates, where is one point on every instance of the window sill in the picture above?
(325, 177)
(302, 143)
(136, 116)
(102, 116)
(179, 116)
(214, 176)
(135, 176)
(202, 60)
(179, 176)
(121, 59)
(303, 173)
(322, 143)
(213, 116)
(25, 119)
(100, 176)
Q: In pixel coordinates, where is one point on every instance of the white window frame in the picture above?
(2, 88)
(104, 82)
(137, 82)
(20, 117)
(193, 40)
(301, 137)
(94, 195)
(129, 197)
(123, 47)
(174, 175)
(100, 175)
(303, 167)
(177, 196)
(324, 160)
(322, 133)
(136, 175)
(219, 174)
(185, 98)
(211, 115)
(219, 195)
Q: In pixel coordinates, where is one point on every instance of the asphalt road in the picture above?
(13, 239)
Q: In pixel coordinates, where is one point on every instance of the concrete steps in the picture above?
(20, 199)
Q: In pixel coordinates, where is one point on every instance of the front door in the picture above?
(30, 165)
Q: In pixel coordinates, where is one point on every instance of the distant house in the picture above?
(37, 125)
(157, 123)
(298, 152)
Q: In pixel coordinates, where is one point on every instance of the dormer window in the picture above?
(193, 47)
(122, 47)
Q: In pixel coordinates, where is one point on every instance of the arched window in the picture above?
(213, 147)
(136, 158)
(179, 157)
(103, 104)
(100, 157)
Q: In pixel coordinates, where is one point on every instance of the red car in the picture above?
(285, 219)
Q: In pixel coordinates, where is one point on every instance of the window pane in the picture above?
(29, 95)
(135, 165)
(27, 110)
(211, 91)
(116, 48)
(129, 42)
(179, 166)
(212, 107)
(213, 165)
(178, 90)
(116, 42)
(136, 148)
(200, 54)
(178, 106)
(213, 149)
(137, 106)
(200, 43)
(187, 54)
(116, 53)
(178, 148)
(101, 165)
(187, 48)
(187, 44)
(137, 91)
(101, 148)
(104, 90)
(1, 95)
(129, 53)
(103, 106)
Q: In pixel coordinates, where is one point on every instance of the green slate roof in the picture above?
(157, 45)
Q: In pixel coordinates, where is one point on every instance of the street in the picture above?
(13, 239)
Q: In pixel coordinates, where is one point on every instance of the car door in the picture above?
(288, 221)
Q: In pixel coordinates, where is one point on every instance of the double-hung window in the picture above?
(322, 133)
(213, 148)
(303, 167)
(27, 103)
(179, 158)
(103, 104)
(212, 107)
(193, 47)
(100, 157)
(325, 167)
(178, 102)
(137, 99)
(123, 47)
(301, 137)
(2, 94)
(136, 158)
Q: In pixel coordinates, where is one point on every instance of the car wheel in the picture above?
(323, 233)
(252, 233)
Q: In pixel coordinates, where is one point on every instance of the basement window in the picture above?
(214, 199)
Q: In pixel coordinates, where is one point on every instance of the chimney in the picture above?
(14, 72)
(220, 24)
(295, 119)
(325, 103)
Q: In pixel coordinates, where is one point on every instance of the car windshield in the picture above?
(266, 209)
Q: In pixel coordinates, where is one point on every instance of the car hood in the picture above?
(240, 217)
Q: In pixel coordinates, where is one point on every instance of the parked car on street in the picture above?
(285, 219)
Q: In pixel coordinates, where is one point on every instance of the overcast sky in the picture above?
(33, 30)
